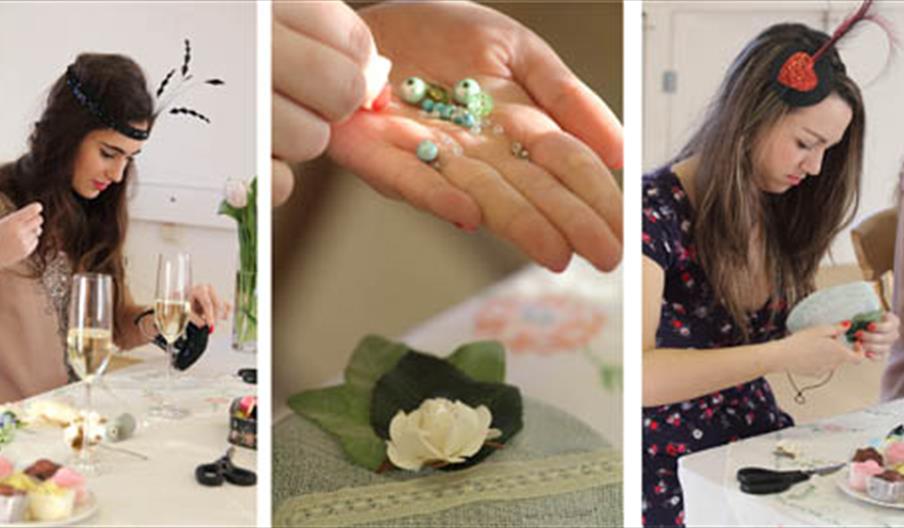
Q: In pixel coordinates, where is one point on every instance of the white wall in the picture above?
(185, 162)
(698, 40)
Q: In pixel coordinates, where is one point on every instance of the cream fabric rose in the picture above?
(438, 431)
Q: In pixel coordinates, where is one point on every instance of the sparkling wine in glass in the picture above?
(172, 308)
(89, 346)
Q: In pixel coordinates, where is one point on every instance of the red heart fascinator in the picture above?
(803, 77)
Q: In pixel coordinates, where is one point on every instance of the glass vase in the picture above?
(244, 324)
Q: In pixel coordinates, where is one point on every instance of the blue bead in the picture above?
(458, 120)
(446, 112)
(427, 105)
(468, 120)
(427, 151)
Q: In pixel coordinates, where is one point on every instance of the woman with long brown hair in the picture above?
(734, 229)
(63, 210)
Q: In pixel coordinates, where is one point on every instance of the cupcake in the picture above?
(49, 502)
(894, 453)
(6, 468)
(868, 453)
(887, 486)
(12, 504)
(859, 472)
(42, 469)
(71, 479)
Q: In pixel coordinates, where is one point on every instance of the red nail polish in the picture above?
(210, 330)
(858, 334)
(846, 324)
(871, 327)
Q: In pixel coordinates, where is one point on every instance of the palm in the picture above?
(563, 200)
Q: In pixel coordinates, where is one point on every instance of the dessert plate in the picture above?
(842, 482)
(81, 512)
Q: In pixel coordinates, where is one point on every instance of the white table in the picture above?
(712, 496)
(162, 490)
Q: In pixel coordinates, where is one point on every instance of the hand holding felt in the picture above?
(189, 347)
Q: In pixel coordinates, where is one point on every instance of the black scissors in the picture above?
(215, 473)
(762, 481)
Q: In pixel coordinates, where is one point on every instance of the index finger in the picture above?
(569, 101)
(332, 23)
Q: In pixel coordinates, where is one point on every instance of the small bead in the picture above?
(516, 148)
(427, 151)
(427, 105)
(468, 120)
(446, 112)
(465, 89)
(458, 119)
(480, 104)
(413, 90)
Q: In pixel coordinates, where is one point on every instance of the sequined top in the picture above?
(33, 320)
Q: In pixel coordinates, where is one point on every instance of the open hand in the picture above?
(563, 200)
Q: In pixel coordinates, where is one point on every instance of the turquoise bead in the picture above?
(465, 89)
(427, 151)
(446, 112)
(427, 105)
(468, 120)
(413, 90)
(458, 119)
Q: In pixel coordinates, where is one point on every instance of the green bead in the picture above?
(438, 94)
(413, 90)
(465, 89)
(480, 105)
(427, 105)
(427, 151)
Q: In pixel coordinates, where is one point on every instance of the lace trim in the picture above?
(504, 481)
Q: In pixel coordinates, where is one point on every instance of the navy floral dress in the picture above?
(691, 319)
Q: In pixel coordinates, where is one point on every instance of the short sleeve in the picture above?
(658, 233)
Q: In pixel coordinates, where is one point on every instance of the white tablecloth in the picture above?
(162, 490)
(712, 496)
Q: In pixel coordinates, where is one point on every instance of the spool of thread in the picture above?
(121, 428)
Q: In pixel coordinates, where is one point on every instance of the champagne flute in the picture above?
(89, 345)
(172, 308)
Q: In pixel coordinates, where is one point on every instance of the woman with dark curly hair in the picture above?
(63, 210)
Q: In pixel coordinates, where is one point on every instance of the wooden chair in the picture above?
(874, 244)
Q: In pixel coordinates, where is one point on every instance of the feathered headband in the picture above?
(803, 77)
(181, 85)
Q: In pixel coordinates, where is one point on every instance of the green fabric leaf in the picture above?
(417, 377)
(344, 411)
(481, 360)
(373, 357)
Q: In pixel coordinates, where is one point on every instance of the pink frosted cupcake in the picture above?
(860, 471)
(894, 454)
(6, 468)
(71, 479)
